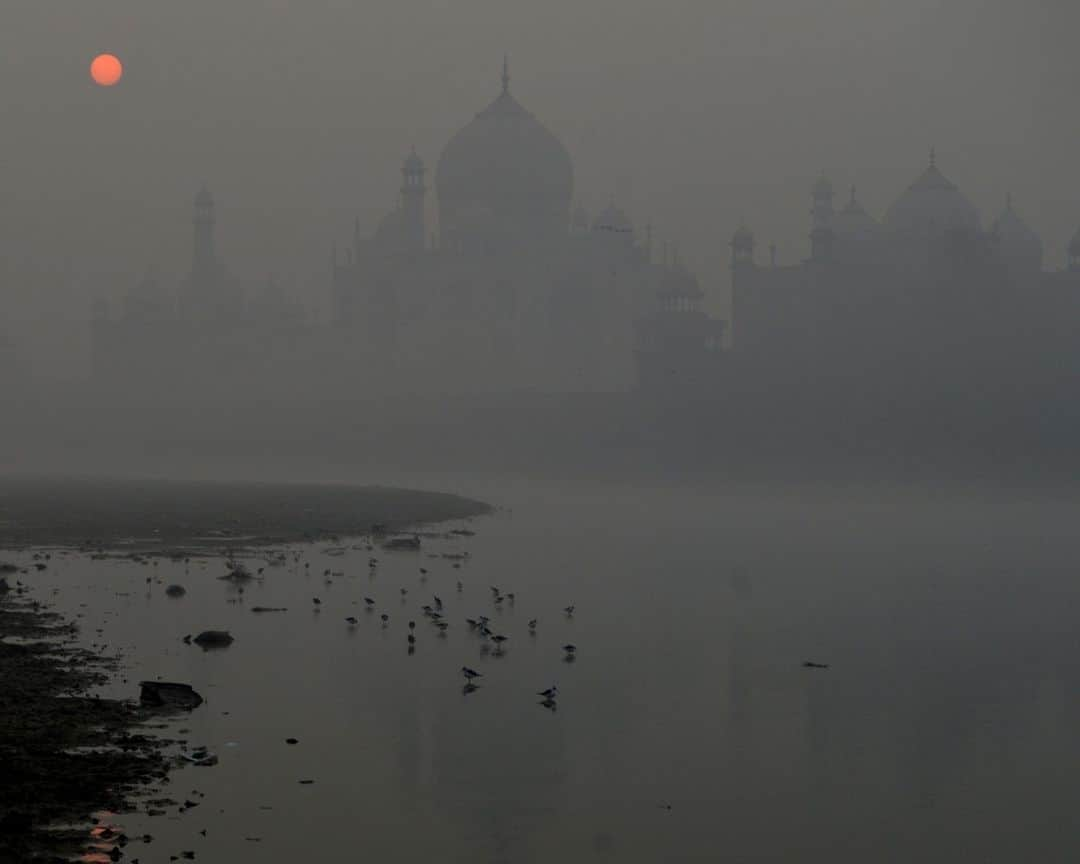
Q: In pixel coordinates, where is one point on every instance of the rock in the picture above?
(176, 591)
(213, 639)
(168, 694)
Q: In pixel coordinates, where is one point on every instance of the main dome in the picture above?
(503, 180)
(932, 205)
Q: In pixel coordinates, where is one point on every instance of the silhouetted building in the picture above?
(925, 302)
(514, 291)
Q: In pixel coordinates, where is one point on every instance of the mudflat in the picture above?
(148, 516)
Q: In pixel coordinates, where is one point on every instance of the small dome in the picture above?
(611, 218)
(931, 205)
(413, 164)
(743, 238)
(823, 189)
(854, 221)
(1019, 243)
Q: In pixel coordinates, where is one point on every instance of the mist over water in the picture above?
(938, 731)
(757, 324)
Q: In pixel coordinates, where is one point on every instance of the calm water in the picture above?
(943, 731)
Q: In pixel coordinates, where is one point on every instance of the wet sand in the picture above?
(156, 516)
(66, 752)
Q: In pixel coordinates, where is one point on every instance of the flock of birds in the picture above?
(491, 641)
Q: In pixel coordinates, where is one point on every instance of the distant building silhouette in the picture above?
(925, 301)
(516, 291)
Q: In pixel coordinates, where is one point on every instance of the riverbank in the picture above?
(167, 517)
(66, 753)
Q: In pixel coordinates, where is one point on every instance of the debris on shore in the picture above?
(214, 639)
(168, 694)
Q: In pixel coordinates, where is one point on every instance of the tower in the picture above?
(412, 203)
(822, 217)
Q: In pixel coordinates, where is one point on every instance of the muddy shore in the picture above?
(66, 754)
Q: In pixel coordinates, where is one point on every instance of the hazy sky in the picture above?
(695, 114)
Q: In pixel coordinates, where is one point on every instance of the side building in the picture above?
(924, 305)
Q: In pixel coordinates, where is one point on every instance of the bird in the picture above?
(570, 649)
(442, 625)
(470, 674)
(351, 619)
(549, 703)
(412, 625)
(438, 602)
(459, 586)
(316, 600)
(412, 639)
(404, 591)
(550, 693)
(369, 602)
(569, 610)
(809, 664)
(495, 590)
(385, 618)
(423, 571)
(473, 624)
(532, 625)
(510, 597)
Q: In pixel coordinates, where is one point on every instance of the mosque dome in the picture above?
(1019, 243)
(853, 220)
(505, 176)
(932, 205)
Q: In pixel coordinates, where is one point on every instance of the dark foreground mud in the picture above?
(64, 754)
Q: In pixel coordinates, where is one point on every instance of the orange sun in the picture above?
(106, 70)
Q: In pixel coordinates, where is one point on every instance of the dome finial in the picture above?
(506, 75)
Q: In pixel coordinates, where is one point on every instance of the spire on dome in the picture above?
(933, 156)
(506, 75)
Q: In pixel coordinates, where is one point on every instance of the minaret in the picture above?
(822, 216)
(506, 76)
(412, 203)
(204, 253)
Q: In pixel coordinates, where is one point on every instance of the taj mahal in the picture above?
(516, 289)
